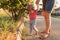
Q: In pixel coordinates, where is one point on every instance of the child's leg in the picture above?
(31, 27)
(47, 17)
(34, 26)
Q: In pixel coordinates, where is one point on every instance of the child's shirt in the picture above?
(32, 15)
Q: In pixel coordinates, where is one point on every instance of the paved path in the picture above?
(55, 28)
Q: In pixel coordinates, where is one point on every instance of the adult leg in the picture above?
(47, 17)
(47, 8)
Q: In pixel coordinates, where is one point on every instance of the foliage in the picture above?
(6, 24)
(7, 27)
(16, 7)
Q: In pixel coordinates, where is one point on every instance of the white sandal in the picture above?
(44, 35)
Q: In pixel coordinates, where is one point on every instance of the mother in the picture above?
(46, 12)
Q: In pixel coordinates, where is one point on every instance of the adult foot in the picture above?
(44, 35)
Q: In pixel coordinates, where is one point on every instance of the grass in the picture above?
(6, 22)
(24, 33)
(7, 26)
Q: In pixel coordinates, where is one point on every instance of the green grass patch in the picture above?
(6, 23)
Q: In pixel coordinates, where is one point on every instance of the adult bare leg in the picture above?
(47, 17)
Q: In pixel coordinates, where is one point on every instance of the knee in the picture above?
(45, 14)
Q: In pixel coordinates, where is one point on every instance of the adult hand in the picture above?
(28, 2)
(37, 1)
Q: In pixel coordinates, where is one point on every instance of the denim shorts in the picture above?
(48, 5)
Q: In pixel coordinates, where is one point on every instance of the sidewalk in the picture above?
(55, 28)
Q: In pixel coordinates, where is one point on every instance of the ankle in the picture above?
(47, 31)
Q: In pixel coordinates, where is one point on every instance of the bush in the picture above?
(7, 27)
(6, 23)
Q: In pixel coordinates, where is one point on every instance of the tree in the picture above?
(16, 7)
